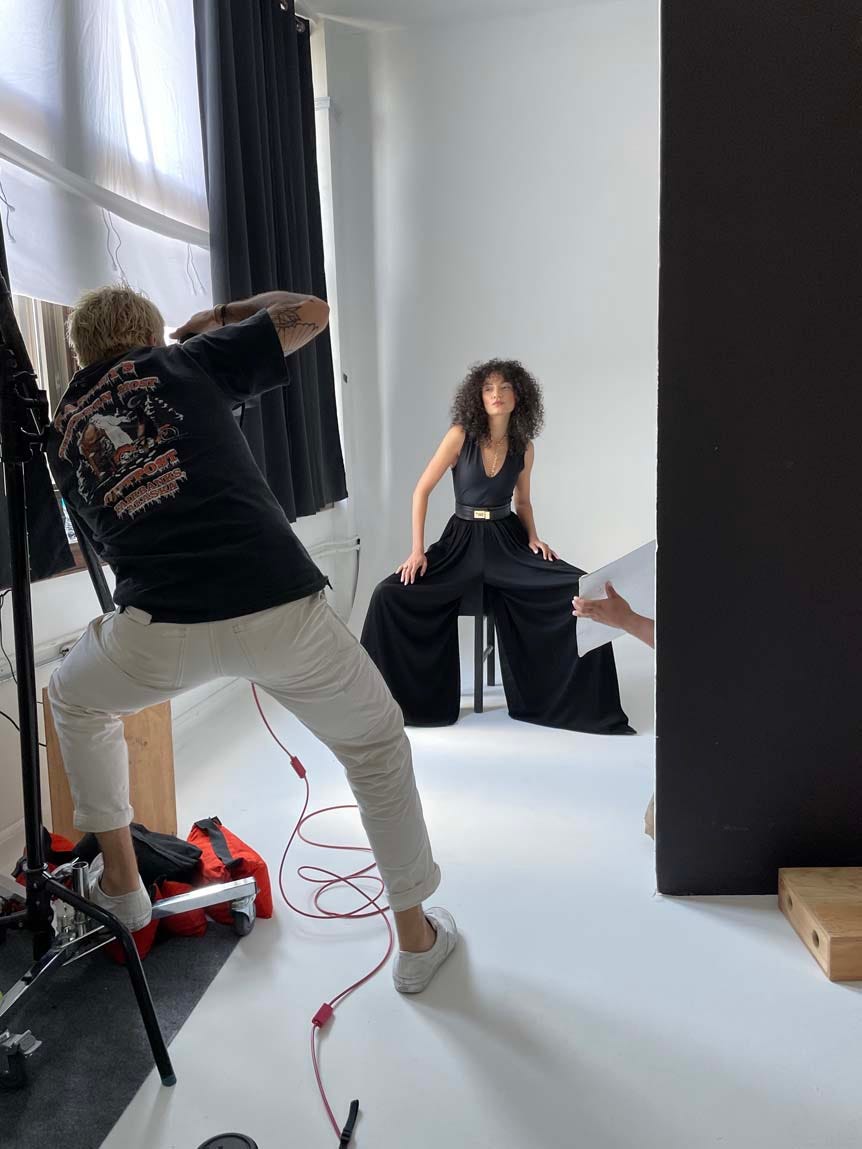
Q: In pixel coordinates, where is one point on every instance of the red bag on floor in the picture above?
(224, 858)
(191, 924)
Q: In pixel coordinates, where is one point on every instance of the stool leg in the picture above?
(492, 650)
(478, 660)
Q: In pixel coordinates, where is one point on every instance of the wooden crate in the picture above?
(824, 906)
(149, 736)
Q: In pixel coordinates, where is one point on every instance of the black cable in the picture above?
(9, 718)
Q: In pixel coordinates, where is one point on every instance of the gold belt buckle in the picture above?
(481, 514)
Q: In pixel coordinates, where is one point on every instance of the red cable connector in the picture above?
(323, 1015)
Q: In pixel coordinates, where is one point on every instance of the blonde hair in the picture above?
(110, 321)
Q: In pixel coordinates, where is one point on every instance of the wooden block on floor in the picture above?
(149, 737)
(824, 906)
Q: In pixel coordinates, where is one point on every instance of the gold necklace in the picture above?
(496, 445)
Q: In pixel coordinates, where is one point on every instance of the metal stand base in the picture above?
(81, 928)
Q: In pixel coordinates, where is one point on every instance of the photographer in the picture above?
(212, 581)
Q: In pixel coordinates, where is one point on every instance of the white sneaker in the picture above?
(135, 910)
(413, 972)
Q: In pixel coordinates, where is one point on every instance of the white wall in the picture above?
(496, 191)
(348, 83)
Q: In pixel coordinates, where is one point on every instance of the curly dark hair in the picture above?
(468, 409)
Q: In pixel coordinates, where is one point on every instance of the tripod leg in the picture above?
(97, 577)
(136, 973)
(148, 1013)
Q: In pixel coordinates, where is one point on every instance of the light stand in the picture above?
(77, 926)
(23, 417)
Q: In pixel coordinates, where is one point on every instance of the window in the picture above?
(101, 157)
(43, 328)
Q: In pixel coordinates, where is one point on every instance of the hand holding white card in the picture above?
(632, 576)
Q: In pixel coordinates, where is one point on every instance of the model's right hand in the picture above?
(200, 323)
(417, 564)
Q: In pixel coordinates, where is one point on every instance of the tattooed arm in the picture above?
(297, 318)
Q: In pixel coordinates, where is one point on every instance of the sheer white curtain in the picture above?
(101, 160)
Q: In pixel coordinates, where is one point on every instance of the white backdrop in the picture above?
(496, 193)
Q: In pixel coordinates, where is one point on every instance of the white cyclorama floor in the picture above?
(580, 1011)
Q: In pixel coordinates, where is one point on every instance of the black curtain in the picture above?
(759, 720)
(49, 548)
(257, 109)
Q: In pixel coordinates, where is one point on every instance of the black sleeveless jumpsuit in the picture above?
(411, 632)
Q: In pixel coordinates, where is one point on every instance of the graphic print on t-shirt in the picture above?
(118, 438)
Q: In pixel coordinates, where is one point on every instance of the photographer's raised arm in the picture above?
(297, 318)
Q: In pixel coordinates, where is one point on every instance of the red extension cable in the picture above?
(327, 880)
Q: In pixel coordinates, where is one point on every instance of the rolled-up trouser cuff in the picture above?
(96, 823)
(417, 896)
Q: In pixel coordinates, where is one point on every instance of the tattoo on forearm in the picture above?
(293, 330)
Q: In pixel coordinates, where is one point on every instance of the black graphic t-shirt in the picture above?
(148, 452)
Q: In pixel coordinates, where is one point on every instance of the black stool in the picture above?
(478, 607)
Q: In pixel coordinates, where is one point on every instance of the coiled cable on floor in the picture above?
(327, 880)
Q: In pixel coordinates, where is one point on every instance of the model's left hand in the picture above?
(540, 548)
